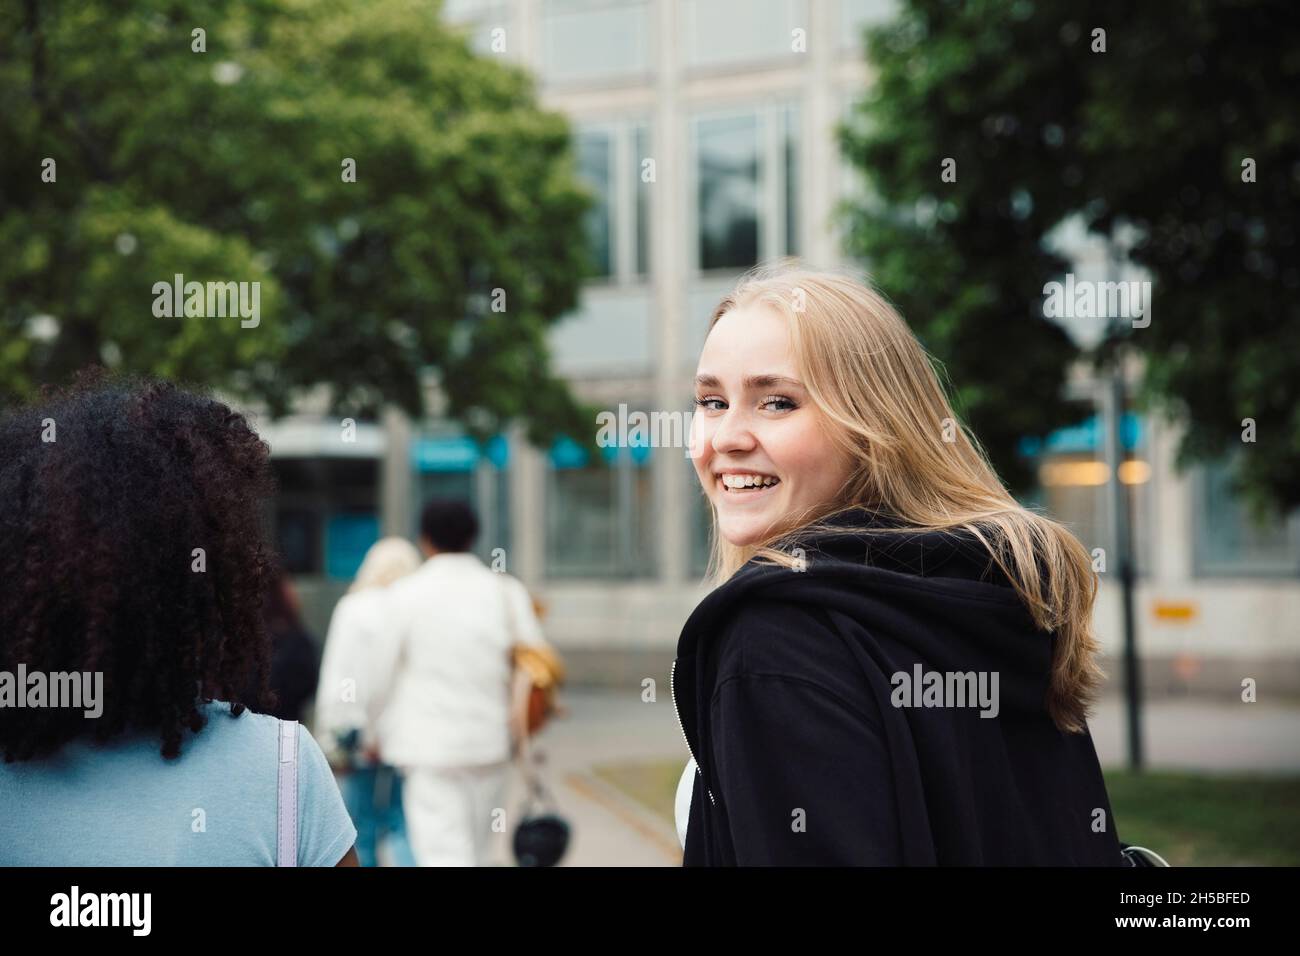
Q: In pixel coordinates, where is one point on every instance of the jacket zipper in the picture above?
(672, 690)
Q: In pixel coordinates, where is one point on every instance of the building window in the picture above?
(727, 162)
(730, 33)
(599, 513)
(596, 40)
(1073, 485)
(297, 538)
(611, 158)
(1229, 540)
(326, 513)
(746, 167)
(789, 174)
(595, 165)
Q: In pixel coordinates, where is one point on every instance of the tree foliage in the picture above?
(1147, 136)
(457, 246)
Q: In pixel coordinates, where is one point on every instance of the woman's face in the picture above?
(759, 445)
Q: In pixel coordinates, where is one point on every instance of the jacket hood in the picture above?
(931, 596)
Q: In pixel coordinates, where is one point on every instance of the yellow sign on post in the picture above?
(1174, 612)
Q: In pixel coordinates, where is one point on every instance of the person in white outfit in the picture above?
(447, 719)
(355, 644)
(348, 700)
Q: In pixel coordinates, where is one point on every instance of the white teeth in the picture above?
(749, 481)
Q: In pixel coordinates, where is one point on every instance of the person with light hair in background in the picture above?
(348, 702)
(896, 664)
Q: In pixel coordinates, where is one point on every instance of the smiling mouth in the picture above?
(744, 485)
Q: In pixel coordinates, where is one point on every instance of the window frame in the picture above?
(783, 112)
(625, 187)
(1204, 566)
(628, 561)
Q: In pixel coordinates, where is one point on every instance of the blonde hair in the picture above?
(881, 402)
(387, 560)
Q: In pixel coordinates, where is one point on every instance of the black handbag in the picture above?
(542, 836)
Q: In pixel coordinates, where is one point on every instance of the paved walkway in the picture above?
(605, 726)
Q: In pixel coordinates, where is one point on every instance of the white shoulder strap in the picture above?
(286, 832)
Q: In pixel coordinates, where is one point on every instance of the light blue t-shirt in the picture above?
(215, 805)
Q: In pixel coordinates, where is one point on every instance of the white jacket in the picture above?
(352, 674)
(444, 680)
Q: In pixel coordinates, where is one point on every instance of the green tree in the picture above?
(218, 141)
(1147, 135)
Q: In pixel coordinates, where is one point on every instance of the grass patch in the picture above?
(653, 784)
(1196, 819)
(1191, 819)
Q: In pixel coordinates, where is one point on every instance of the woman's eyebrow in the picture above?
(705, 380)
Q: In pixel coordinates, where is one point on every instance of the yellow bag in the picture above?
(540, 672)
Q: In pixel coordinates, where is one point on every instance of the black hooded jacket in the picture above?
(788, 685)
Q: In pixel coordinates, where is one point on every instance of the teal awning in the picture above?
(458, 453)
(1089, 436)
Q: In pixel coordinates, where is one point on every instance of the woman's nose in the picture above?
(733, 432)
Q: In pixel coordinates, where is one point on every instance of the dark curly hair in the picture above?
(98, 531)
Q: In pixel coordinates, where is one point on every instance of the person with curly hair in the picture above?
(132, 547)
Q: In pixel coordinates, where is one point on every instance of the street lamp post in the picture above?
(1122, 539)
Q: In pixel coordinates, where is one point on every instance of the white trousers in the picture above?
(450, 812)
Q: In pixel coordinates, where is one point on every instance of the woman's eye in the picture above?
(776, 403)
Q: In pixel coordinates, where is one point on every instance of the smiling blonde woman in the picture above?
(896, 663)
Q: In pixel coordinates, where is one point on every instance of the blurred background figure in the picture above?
(447, 722)
(294, 660)
(359, 634)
